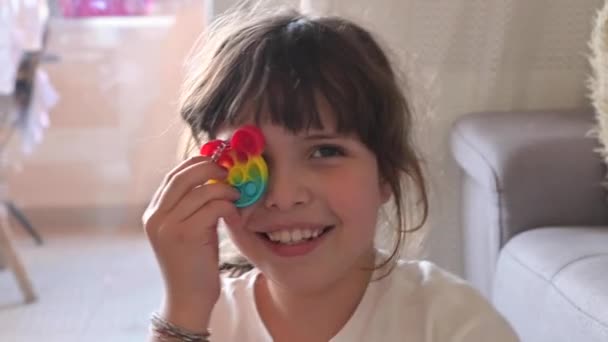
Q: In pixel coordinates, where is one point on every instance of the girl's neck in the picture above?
(317, 316)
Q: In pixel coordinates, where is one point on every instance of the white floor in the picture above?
(93, 285)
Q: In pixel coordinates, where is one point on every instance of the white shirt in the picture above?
(417, 302)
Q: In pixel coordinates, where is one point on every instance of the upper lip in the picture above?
(291, 226)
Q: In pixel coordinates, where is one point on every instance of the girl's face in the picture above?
(319, 182)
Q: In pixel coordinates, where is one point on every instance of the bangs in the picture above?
(294, 75)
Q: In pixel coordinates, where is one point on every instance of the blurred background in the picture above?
(90, 126)
(93, 136)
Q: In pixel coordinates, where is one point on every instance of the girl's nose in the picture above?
(287, 188)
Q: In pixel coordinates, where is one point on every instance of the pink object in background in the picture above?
(95, 8)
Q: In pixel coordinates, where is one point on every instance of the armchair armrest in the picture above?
(539, 168)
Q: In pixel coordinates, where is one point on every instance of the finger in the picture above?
(188, 162)
(186, 180)
(197, 198)
(219, 208)
(200, 223)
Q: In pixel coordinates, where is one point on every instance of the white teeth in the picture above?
(307, 233)
(296, 235)
(274, 236)
(293, 236)
(285, 236)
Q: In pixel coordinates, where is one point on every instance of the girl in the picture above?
(338, 147)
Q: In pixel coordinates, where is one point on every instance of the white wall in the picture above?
(217, 7)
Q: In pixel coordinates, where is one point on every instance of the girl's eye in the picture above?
(327, 151)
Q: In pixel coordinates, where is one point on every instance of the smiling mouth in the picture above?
(295, 237)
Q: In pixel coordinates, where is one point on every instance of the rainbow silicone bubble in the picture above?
(242, 157)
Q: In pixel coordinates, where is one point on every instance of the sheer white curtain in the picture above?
(477, 55)
(599, 83)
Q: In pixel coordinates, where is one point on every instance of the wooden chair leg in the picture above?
(12, 259)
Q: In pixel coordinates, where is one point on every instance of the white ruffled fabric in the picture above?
(32, 125)
(22, 25)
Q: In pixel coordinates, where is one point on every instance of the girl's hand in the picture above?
(181, 225)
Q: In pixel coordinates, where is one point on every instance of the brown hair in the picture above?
(282, 61)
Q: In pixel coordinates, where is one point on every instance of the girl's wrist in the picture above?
(191, 315)
(163, 330)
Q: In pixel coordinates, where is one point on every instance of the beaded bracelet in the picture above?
(167, 331)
